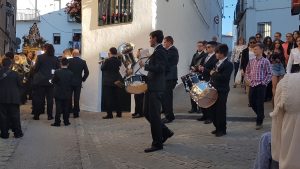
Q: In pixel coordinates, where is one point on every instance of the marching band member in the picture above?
(111, 81)
(171, 77)
(156, 86)
(220, 78)
(200, 53)
(206, 65)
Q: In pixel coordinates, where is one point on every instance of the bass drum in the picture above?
(204, 94)
(136, 84)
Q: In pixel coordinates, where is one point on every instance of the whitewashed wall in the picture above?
(53, 22)
(180, 19)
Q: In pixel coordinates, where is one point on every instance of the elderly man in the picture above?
(77, 66)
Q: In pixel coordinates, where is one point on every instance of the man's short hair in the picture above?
(9, 55)
(169, 39)
(6, 62)
(113, 51)
(64, 62)
(260, 45)
(158, 34)
(278, 33)
(252, 38)
(222, 49)
(212, 43)
(258, 34)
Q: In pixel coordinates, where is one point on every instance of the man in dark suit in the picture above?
(111, 79)
(156, 82)
(10, 84)
(220, 78)
(77, 66)
(197, 58)
(207, 64)
(171, 77)
(44, 69)
(62, 80)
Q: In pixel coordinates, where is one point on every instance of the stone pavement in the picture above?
(91, 142)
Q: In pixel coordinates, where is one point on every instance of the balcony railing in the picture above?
(27, 15)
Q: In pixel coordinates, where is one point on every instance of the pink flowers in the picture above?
(73, 8)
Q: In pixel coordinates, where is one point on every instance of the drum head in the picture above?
(204, 95)
(136, 88)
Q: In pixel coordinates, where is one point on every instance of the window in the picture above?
(114, 11)
(56, 38)
(264, 28)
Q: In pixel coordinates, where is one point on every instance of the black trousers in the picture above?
(167, 104)
(159, 130)
(10, 117)
(269, 93)
(236, 69)
(75, 94)
(112, 99)
(218, 112)
(40, 93)
(139, 104)
(257, 97)
(194, 106)
(62, 107)
(207, 113)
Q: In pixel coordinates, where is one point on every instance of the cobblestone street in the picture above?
(91, 142)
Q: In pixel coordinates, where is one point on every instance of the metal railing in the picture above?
(27, 15)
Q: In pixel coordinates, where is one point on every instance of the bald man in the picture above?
(78, 66)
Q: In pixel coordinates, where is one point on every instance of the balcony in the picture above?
(27, 15)
(239, 12)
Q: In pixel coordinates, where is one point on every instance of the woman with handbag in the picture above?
(235, 58)
(293, 65)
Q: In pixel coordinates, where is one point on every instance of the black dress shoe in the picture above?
(75, 116)
(67, 124)
(168, 136)
(152, 149)
(36, 118)
(201, 119)
(55, 125)
(50, 118)
(214, 132)
(134, 114)
(107, 117)
(220, 133)
(137, 116)
(165, 121)
(119, 115)
(207, 121)
(4, 136)
(19, 135)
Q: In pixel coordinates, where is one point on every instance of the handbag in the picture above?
(238, 77)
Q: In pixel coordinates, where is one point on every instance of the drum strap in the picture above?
(4, 75)
(141, 67)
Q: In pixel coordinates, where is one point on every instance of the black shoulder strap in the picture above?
(4, 75)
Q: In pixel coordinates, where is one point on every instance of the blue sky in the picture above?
(227, 22)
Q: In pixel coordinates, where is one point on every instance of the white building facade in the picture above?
(187, 21)
(54, 24)
(265, 17)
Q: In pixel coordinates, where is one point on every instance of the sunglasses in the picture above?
(208, 46)
(252, 42)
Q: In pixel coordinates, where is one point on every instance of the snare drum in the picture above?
(136, 84)
(204, 94)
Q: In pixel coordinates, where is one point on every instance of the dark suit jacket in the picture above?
(10, 87)
(77, 66)
(62, 81)
(197, 57)
(173, 58)
(42, 69)
(208, 66)
(221, 78)
(111, 71)
(156, 79)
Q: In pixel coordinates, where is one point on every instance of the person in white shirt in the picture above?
(236, 55)
(293, 65)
